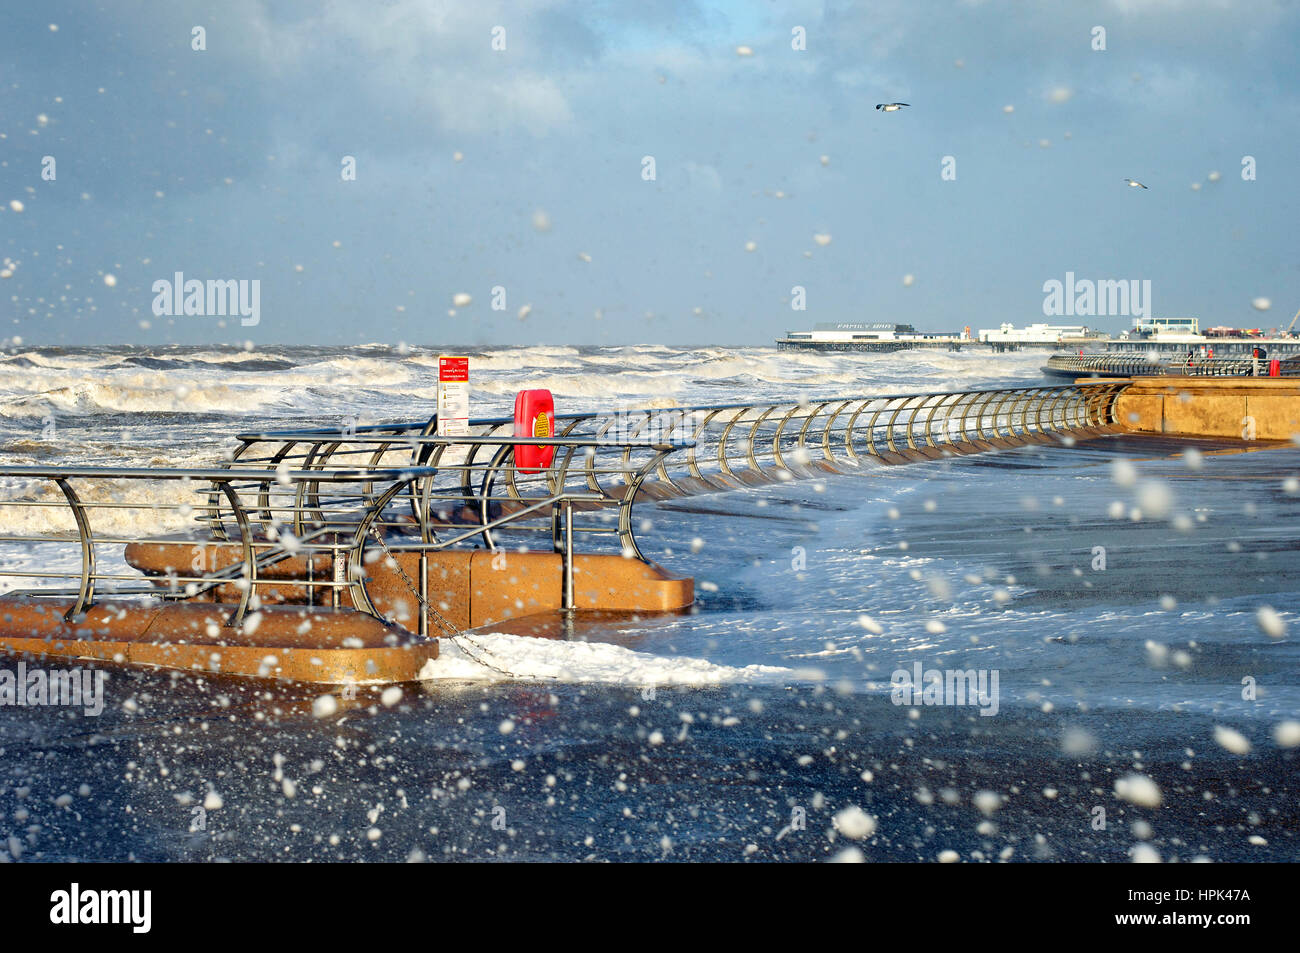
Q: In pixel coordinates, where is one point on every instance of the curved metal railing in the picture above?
(106, 493)
(619, 454)
(314, 523)
(470, 486)
(1125, 365)
(305, 495)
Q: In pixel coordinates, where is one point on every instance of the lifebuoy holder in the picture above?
(534, 417)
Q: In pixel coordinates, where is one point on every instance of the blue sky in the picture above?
(225, 164)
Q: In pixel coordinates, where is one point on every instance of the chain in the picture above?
(448, 630)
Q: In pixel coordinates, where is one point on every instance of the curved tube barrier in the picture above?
(620, 454)
(337, 537)
(312, 517)
(313, 500)
(1124, 365)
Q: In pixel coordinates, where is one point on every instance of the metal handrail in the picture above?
(345, 506)
(226, 482)
(320, 493)
(468, 486)
(744, 442)
(1117, 365)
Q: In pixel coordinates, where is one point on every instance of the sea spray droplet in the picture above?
(1123, 473)
(1231, 740)
(1077, 742)
(855, 823)
(987, 802)
(1138, 789)
(1157, 654)
(1155, 499)
(1287, 734)
(1144, 854)
(849, 855)
(1270, 623)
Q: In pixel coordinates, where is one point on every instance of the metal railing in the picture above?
(299, 508)
(469, 486)
(1125, 365)
(315, 524)
(626, 452)
(340, 532)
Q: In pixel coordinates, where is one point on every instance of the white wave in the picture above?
(153, 393)
(611, 388)
(129, 508)
(531, 658)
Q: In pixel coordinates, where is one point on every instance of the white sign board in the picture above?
(453, 396)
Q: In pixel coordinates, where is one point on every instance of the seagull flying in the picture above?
(1134, 184)
(891, 107)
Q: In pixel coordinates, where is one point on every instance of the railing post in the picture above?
(86, 594)
(424, 593)
(249, 555)
(568, 555)
(339, 560)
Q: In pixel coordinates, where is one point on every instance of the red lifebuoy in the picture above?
(534, 417)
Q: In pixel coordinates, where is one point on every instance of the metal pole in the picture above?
(340, 572)
(568, 556)
(424, 593)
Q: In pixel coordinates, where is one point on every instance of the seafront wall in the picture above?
(1240, 408)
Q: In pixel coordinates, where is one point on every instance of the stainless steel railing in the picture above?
(55, 523)
(340, 534)
(468, 483)
(1124, 365)
(319, 495)
(728, 445)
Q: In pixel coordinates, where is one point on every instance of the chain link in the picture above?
(448, 630)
